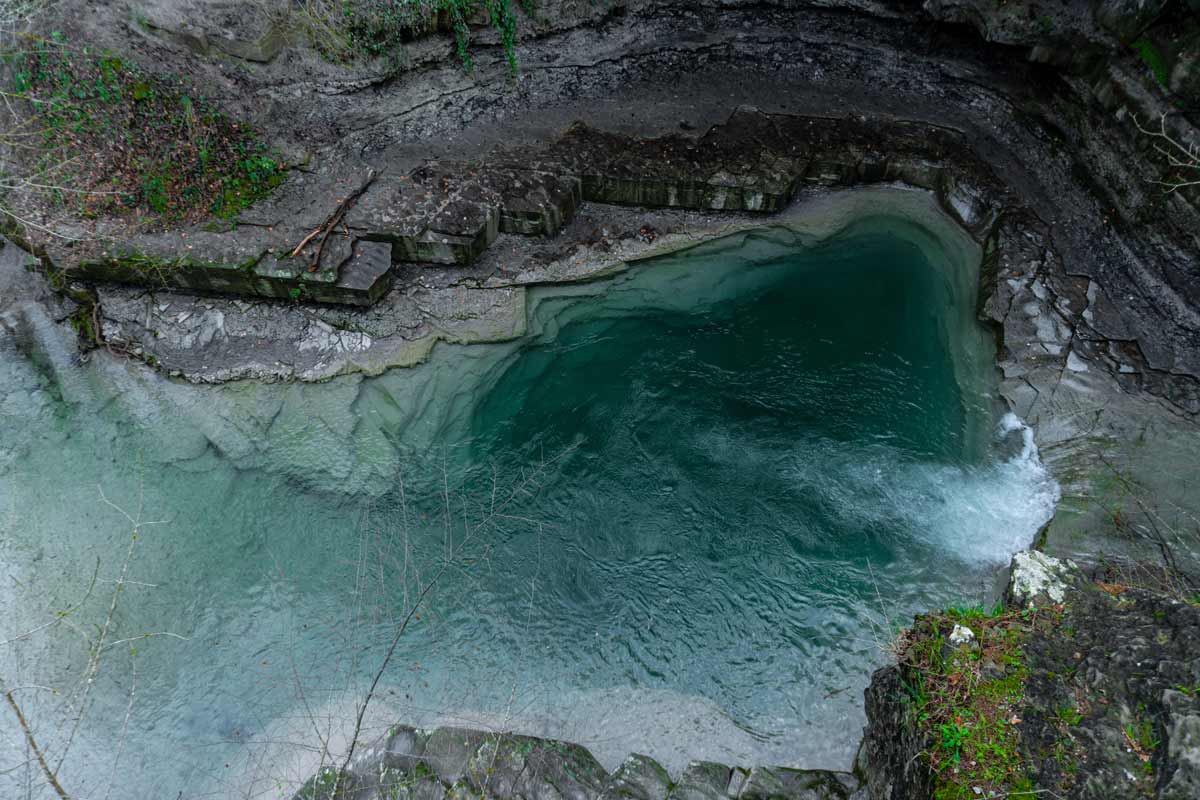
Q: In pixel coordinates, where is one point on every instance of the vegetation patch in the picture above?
(1153, 58)
(345, 31)
(967, 698)
(103, 138)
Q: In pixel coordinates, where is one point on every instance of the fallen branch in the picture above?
(305, 241)
(344, 205)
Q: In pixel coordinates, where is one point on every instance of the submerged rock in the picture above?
(459, 763)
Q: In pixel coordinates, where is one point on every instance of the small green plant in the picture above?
(1070, 716)
(975, 611)
(1046, 23)
(350, 30)
(953, 738)
(154, 191)
(1142, 734)
(82, 321)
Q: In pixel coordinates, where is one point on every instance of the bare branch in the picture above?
(33, 745)
(1179, 155)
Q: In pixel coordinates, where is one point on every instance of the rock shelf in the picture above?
(451, 212)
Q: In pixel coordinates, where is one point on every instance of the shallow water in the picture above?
(680, 517)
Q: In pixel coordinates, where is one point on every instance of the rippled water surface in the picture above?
(676, 518)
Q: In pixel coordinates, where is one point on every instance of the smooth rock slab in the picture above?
(250, 261)
(532, 202)
(435, 214)
(639, 778)
(766, 783)
(702, 780)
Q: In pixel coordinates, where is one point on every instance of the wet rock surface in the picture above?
(458, 762)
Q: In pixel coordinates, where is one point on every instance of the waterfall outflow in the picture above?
(978, 514)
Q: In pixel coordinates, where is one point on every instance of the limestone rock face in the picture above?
(1128, 18)
(249, 31)
(1127, 660)
(890, 759)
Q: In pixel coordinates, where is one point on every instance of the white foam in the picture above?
(980, 515)
(990, 513)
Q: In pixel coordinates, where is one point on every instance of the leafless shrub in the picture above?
(1182, 158)
(51, 728)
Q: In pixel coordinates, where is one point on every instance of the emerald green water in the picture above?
(679, 515)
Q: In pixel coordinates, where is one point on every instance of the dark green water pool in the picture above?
(679, 517)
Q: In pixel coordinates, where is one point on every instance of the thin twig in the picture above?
(37, 751)
(1178, 154)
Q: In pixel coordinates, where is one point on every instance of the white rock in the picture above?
(1075, 363)
(961, 635)
(1035, 575)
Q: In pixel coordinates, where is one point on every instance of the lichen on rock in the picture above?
(1039, 577)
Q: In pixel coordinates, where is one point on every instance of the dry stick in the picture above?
(343, 206)
(37, 751)
(362, 709)
(59, 617)
(124, 728)
(305, 241)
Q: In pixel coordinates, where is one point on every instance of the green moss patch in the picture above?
(105, 138)
(967, 699)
